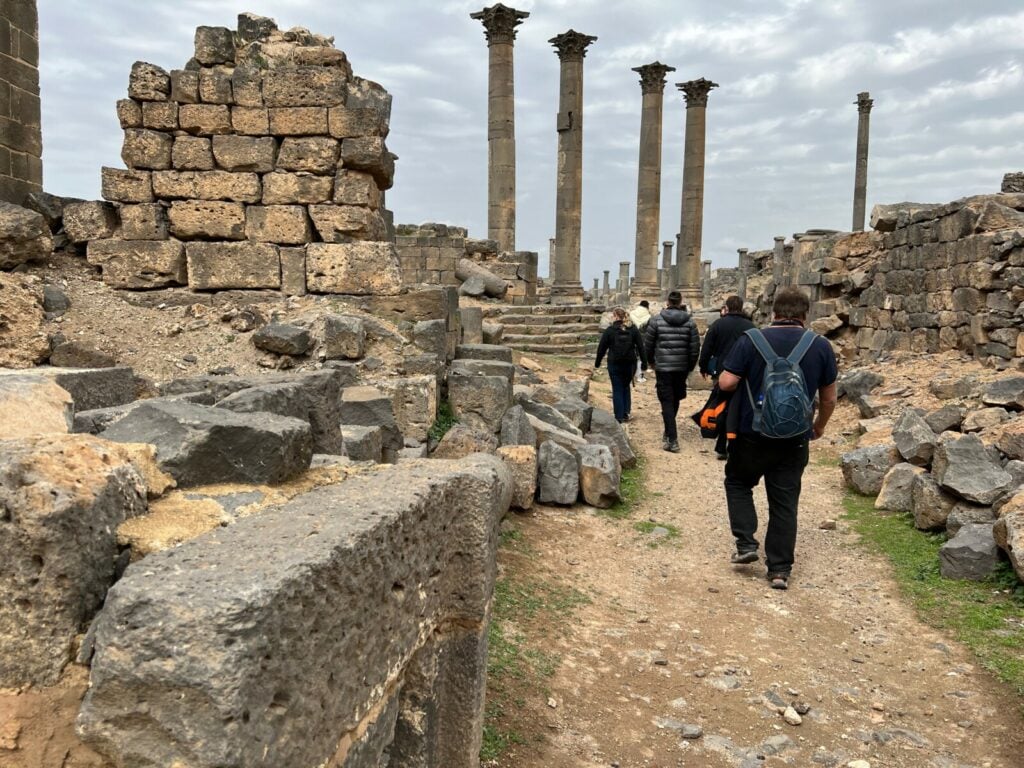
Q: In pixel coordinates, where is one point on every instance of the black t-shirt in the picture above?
(818, 365)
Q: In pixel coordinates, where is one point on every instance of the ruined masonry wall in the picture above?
(21, 138)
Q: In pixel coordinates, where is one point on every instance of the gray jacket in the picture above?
(672, 341)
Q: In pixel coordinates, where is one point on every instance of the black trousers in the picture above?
(671, 389)
(781, 463)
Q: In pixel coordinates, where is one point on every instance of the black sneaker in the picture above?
(721, 456)
(744, 558)
(778, 580)
(665, 443)
(673, 446)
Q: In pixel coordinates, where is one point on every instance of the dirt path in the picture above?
(674, 635)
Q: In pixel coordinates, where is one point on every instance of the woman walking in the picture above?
(623, 345)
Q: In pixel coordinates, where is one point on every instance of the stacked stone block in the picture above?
(260, 165)
(21, 141)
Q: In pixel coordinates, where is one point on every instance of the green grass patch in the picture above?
(647, 527)
(445, 420)
(987, 617)
(631, 489)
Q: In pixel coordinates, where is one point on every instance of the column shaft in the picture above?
(860, 182)
(742, 267)
(706, 283)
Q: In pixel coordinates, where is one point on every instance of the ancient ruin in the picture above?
(21, 141)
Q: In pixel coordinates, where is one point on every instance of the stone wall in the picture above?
(21, 139)
(261, 164)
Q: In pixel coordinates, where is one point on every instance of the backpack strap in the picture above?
(761, 345)
(801, 347)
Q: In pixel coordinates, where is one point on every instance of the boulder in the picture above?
(896, 493)
(548, 413)
(605, 430)
(1010, 439)
(31, 406)
(199, 445)
(480, 401)
(79, 354)
(362, 443)
(494, 286)
(965, 514)
(579, 413)
(344, 337)
(976, 421)
(964, 467)
(50, 207)
(462, 440)
(64, 497)
(24, 341)
(283, 339)
(559, 480)
(947, 418)
(930, 505)
(369, 407)
(953, 387)
(857, 384)
(483, 352)
(493, 333)
(546, 432)
(516, 428)
(1005, 393)
(563, 389)
(971, 554)
(994, 217)
(599, 476)
(1009, 532)
(521, 461)
(24, 236)
(914, 439)
(865, 468)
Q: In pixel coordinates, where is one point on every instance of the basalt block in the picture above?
(220, 266)
(139, 264)
(353, 268)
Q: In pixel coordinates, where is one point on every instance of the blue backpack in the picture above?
(785, 410)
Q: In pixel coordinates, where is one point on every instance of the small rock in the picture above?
(802, 708)
(858, 764)
(791, 716)
(827, 525)
(552, 703)
(283, 339)
(691, 731)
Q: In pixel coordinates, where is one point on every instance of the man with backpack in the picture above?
(673, 346)
(722, 334)
(775, 374)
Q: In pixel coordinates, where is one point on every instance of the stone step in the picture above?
(544, 319)
(553, 338)
(551, 310)
(551, 349)
(580, 329)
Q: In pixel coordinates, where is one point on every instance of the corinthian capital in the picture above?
(696, 92)
(500, 22)
(652, 76)
(864, 102)
(572, 45)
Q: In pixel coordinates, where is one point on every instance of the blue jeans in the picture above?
(621, 375)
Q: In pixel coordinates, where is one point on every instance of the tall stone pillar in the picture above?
(742, 267)
(606, 288)
(705, 284)
(595, 287)
(648, 187)
(691, 226)
(860, 182)
(779, 262)
(565, 271)
(667, 278)
(624, 276)
(500, 24)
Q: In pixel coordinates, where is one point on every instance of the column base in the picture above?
(567, 293)
(692, 297)
(646, 291)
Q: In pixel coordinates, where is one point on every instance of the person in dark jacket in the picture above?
(672, 343)
(722, 334)
(623, 345)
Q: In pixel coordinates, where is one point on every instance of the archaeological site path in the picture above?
(673, 635)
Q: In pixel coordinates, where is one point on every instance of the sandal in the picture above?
(779, 580)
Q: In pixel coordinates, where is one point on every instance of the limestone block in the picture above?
(345, 223)
(558, 469)
(204, 119)
(123, 186)
(220, 266)
(929, 504)
(344, 337)
(366, 94)
(348, 123)
(145, 149)
(605, 430)
(896, 493)
(599, 476)
(191, 153)
(250, 121)
(148, 82)
(353, 268)
(206, 219)
(369, 154)
(516, 428)
(65, 495)
(214, 45)
(215, 85)
(362, 443)
(284, 224)
(313, 154)
(965, 514)
(356, 188)
(369, 407)
(964, 467)
(298, 121)
(305, 87)
(159, 116)
(480, 401)
(139, 264)
(31, 406)
(245, 153)
(293, 271)
(971, 554)
(463, 440)
(521, 461)
(207, 185)
(129, 113)
(865, 468)
(914, 439)
(199, 445)
(185, 86)
(296, 188)
(283, 339)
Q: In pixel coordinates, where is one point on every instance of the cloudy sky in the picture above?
(947, 79)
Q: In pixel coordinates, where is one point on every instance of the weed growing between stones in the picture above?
(445, 420)
(986, 616)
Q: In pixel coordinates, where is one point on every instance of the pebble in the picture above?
(691, 731)
(858, 764)
(552, 703)
(828, 525)
(791, 716)
(802, 708)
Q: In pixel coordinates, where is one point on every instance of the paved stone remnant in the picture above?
(599, 476)
(559, 481)
(860, 184)
(865, 468)
(648, 195)
(565, 269)
(397, 570)
(970, 554)
(691, 224)
(64, 497)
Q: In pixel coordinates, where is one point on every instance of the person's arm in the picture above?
(734, 367)
(826, 405)
(728, 382)
(638, 342)
(602, 348)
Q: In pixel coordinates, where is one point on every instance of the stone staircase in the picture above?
(554, 329)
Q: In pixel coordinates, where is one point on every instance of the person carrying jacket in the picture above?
(722, 334)
(672, 343)
(623, 345)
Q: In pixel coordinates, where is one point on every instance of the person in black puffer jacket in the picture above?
(672, 343)
(722, 334)
(623, 344)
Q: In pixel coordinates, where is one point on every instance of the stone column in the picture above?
(648, 187)
(706, 284)
(565, 271)
(741, 272)
(500, 24)
(779, 262)
(860, 182)
(666, 266)
(688, 254)
(624, 276)
(606, 287)
(595, 286)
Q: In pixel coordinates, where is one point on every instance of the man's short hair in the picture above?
(675, 298)
(645, 304)
(791, 304)
(734, 304)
